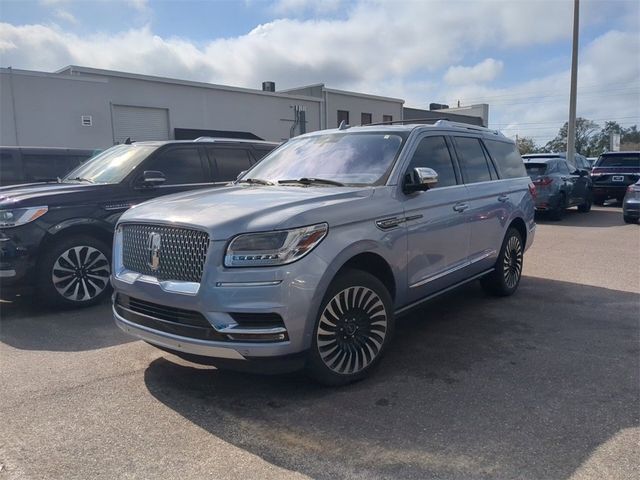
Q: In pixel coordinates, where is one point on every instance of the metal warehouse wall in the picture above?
(49, 107)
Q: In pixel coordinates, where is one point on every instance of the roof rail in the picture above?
(449, 123)
(406, 120)
(227, 139)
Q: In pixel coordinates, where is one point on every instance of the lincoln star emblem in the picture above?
(153, 246)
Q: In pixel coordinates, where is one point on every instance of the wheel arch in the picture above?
(519, 224)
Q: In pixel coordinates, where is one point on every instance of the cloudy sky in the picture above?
(514, 55)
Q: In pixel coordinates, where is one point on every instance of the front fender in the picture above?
(94, 223)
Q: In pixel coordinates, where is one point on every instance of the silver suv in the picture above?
(307, 259)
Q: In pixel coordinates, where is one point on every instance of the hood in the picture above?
(227, 211)
(37, 194)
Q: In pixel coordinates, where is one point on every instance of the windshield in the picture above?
(619, 160)
(347, 158)
(112, 165)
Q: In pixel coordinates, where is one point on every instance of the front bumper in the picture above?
(18, 254)
(291, 292)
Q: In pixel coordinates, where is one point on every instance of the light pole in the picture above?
(571, 130)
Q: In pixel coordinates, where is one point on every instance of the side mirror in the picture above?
(420, 179)
(152, 178)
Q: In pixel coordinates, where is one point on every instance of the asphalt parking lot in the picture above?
(541, 385)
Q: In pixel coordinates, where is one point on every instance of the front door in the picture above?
(437, 228)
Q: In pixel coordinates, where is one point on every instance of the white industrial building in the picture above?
(91, 108)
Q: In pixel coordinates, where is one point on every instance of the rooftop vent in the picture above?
(268, 86)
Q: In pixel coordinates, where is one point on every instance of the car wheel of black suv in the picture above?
(75, 271)
(354, 325)
(586, 206)
(505, 278)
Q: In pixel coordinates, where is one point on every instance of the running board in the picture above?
(417, 303)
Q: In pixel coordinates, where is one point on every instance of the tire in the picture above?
(597, 200)
(74, 272)
(354, 325)
(586, 206)
(558, 213)
(505, 278)
(628, 219)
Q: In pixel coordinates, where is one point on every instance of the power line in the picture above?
(554, 122)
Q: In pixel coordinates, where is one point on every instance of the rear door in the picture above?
(487, 203)
(437, 229)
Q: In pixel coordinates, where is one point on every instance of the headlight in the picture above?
(20, 216)
(273, 248)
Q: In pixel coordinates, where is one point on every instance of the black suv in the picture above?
(57, 235)
(612, 173)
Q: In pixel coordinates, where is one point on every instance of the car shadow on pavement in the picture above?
(27, 325)
(472, 387)
(598, 217)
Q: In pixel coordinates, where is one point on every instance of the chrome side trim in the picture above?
(251, 331)
(175, 342)
(406, 308)
(248, 284)
(482, 256)
(7, 273)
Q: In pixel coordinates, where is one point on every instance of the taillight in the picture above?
(532, 190)
(542, 181)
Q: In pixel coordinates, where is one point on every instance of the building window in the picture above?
(387, 118)
(365, 118)
(343, 115)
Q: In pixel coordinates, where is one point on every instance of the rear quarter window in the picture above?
(507, 159)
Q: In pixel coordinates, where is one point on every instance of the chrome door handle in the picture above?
(460, 207)
(503, 198)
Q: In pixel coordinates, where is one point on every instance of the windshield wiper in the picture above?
(311, 181)
(255, 181)
(80, 179)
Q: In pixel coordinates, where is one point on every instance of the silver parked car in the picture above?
(631, 204)
(558, 184)
(307, 259)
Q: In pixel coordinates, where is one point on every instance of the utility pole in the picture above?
(571, 131)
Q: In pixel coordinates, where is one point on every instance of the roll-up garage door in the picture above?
(140, 123)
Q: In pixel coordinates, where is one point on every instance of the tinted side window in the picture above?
(38, 167)
(473, 162)
(432, 152)
(9, 169)
(180, 165)
(230, 162)
(507, 159)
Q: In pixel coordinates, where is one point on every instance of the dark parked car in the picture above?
(613, 173)
(37, 164)
(57, 235)
(631, 204)
(558, 184)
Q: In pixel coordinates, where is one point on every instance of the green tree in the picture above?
(526, 145)
(584, 130)
(600, 141)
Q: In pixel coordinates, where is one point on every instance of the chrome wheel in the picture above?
(352, 329)
(81, 273)
(512, 264)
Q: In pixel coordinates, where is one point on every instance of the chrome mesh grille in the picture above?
(181, 254)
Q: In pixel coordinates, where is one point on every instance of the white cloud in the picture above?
(65, 16)
(295, 7)
(482, 72)
(389, 48)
